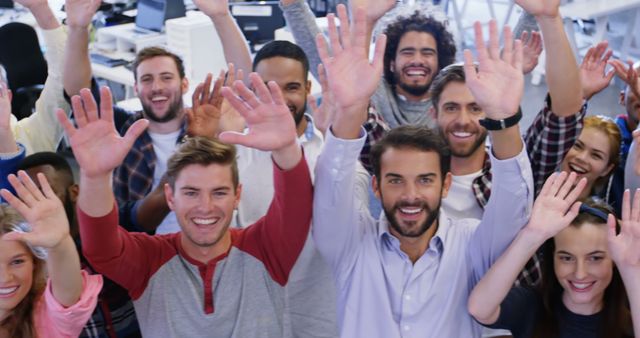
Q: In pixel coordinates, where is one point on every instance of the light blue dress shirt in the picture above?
(381, 293)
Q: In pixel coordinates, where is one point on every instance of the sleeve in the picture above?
(129, 259)
(512, 186)
(278, 238)
(41, 131)
(56, 320)
(519, 312)
(548, 140)
(340, 223)
(9, 165)
(302, 23)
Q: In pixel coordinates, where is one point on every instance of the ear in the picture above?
(135, 88)
(236, 202)
(308, 87)
(73, 192)
(392, 65)
(184, 84)
(168, 195)
(375, 187)
(446, 184)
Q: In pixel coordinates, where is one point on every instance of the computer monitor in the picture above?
(153, 13)
(258, 20)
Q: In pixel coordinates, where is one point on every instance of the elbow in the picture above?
(480, 311)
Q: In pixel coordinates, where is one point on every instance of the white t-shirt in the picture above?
(461, 202)
(164, 145)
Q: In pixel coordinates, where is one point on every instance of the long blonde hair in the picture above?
(20, 322)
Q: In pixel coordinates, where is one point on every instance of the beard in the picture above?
(298, 115)
(415, 90)
(480, 141)
(432, 215)
(172, 113)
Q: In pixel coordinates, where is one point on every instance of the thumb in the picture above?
(16, 236)
(611, 223)
(135, 131)
(233, 137)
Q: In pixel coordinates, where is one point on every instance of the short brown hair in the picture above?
(152, 52)
(202, 151)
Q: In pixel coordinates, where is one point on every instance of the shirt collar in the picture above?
(311, 133)
(436, 243)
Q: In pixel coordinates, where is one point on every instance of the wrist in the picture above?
(66, 243)
(217, 17)
(534, 238)
(44, 16)
(548, 18)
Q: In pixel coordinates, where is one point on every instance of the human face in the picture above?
(416, 63)
(290, 76)
(160, 89)
(203, 199)
(458, 120)
(16, 275)
(411, 188)
(590, 155)
(583, 266)
(631, 104)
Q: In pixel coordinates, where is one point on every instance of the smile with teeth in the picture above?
(581, 287)
(577, 169)
(462, 134)
(8, 291)
(410, 211)
(159, 98)
(205, 221)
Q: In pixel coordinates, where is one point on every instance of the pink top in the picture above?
(55, 321)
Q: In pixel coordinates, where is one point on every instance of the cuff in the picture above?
(11, 156)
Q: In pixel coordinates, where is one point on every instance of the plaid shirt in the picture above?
(133, 179)
(376, 128)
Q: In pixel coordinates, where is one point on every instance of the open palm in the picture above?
(548, 8)
(592, 70)
(80, 12)
(204, 116)
(96, 144)
(625, 247)
(375, 9)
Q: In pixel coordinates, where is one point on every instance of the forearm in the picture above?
(631, 279)
(562, 75)
(302, 24)
(288, 157)
(488, 294)
(96, 195)
(63, 267)
(44, 16)
(506, 143)
(152, 210)
(7, 141)
(234, 44)
(77, 64)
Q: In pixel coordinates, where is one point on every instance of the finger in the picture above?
(626, 205)
(524, 36)
(470, 71)
(546, 187)
(276, 93)
(635, 208)
(573, 212)
(322, 78)
(215, 98)
(537, 38)
(607, 56)
(14, 202)
(68, 127)
(378, 55)
(518, 55)
(494, 40)
(106, 104)
(135, 131)
(507, 50)
(235, 101)
(588, 56)
(79, 113)
(577, 190)
(557, 183)
(481, 48)
(204, 95)
(46, 187)
(566, 186)
(323, 49)
(345, 26)
(30, 185)
(190, 116)
(21, 191)
(90, 105)
(248, 96)
(15, 236)
(336, 47)
(313, 104)
(260, 89)
(197, 94)
(611, 223)
(360, 30)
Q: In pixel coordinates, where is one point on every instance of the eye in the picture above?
(18, 261)
(577, 145)
(565, 258)
(476, 109)
(426, 180)
(292, 88)
(167, 78)
(190, 193)
(395, 181)
(596, 258)
(597, 157)
(450, 109)
(220, 193)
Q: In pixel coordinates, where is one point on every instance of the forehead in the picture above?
(418, 40)
(9, 249)
(595, 139)
(456, 92)
(281, 69)
(204, 177)
(582, 240)
(409, 162)
(157, 65)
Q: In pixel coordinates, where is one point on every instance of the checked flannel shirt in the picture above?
(547, 140)
(133, 179)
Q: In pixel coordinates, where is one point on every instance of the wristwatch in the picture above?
(490, 124)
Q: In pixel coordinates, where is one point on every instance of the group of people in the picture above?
(405, 203)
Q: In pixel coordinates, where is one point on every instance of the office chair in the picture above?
(26, 67)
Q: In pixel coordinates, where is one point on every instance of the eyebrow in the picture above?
(589, 254)
(18, 256)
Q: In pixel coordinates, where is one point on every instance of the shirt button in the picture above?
(406, 327)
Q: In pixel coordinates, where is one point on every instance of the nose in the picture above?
(156, 84)
(581, 270)
(410, 192)
(6, 275)
(581, 155)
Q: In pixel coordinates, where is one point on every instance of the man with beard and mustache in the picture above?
(160, 83)
(409, 273)
(114, 315)
(550, 136)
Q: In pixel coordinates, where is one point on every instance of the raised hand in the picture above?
(375, 9)
(271, 126)
(7, 140)
(80, 12)
(213, 8)
(498, 83)
(556, 206)
(540, 8)
(231, 120)
(531, 51)
(593, 76)
(32, 3)
(203, 118)
(41, 209)
(625, 247)
(627, 74)
(96, 144)
(351, 77)
(323, 114)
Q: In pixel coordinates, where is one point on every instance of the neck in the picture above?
(302, 126)
(166, 127)
(469, 164)
(205, 254)
(415, 247)
(410, 97)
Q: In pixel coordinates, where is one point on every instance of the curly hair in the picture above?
(417, 22)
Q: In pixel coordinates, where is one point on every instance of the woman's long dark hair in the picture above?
(616, 317)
